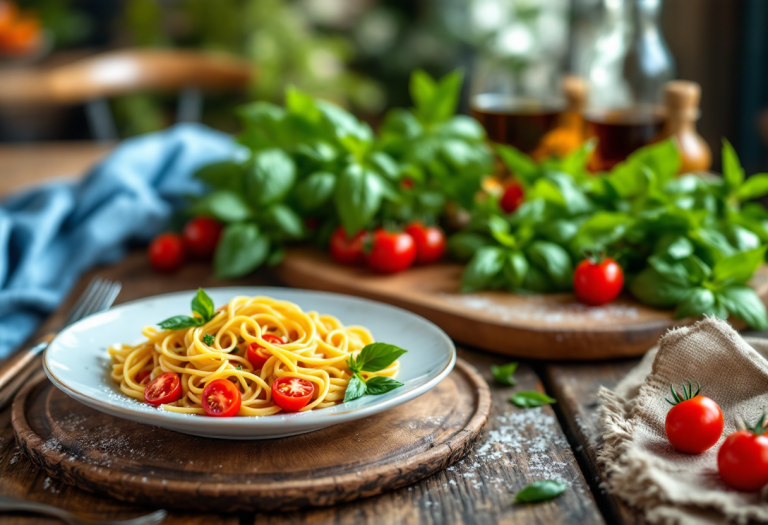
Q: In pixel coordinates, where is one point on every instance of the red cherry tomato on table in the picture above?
(391, 251)
(201, 235)
(165, 388)
(345, 250)
(512, 198)
(430, 242)
(292, 393)
(598, 282)
(743, 458)
(166, 252)
(255, 354)
(695, 422)
(221, 398)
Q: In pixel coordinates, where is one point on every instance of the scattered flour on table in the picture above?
(545, 311)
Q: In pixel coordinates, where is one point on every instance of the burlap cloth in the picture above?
(643, 468)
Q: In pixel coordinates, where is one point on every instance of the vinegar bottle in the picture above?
(681, 101)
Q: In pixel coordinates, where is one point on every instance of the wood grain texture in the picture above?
(575, 387)
(156, 467)
(552, 326)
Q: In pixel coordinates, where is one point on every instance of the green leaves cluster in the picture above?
(202, 305)
(372, 358)
(313, 160)
(689, 243)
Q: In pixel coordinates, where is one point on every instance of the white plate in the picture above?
(77, 361)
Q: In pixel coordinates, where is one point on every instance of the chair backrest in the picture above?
(123, 72)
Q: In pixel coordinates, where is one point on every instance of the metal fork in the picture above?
(13, 504)
(14, 371)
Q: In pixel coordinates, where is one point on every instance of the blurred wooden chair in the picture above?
(93, 80)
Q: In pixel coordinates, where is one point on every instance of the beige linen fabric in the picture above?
(643, 468)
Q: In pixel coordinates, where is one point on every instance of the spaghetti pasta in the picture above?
(315, 348)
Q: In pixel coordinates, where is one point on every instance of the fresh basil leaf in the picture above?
(357, 196)
(385, 164)
(696, 302)
(676, 246)
(531, 399)
(226, 175)
(743, 303)
(283, 222)
(499, 229)
(378, 356)
(516, 268)
(541, 491)
(464, 245)
(203, 305)
(537, 281)
(178, 322)
(561, 231)
(518, 163)
(714, 243)
(241, 250)
(483, 267)
(224, 205)
(739, 268)
(602, 229)
(422, 88)
(315, 190)
(345, 126)
(653, 289)
(276, 256)
(503, 374)
(743, 239)
(754, 187)
(662, 158)
(733, 174)
(380, 385)
(462, 127)
(672, 270)
(575, 163)
(554, 260)
(270, 175)
(571, 196)
(436, 101)
(355, 389)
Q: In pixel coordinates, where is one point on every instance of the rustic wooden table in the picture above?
(518, 446)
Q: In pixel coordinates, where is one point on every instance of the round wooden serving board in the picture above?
(161, 468)
(553, 326)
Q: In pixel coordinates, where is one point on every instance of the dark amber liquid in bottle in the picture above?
(620, 133)
(521, 125)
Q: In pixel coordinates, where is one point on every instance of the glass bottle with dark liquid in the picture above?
(629, 67)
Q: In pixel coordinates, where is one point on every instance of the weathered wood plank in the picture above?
(575, 387)
(518, 447)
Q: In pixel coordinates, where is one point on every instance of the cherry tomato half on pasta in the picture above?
(742, 460)
(430, 242)
(201, 235)
(598, 281)
(165, 388)
(142, 377)
(221, 398)
(166, 252)
(391, 251)
(256, 356)
(292, 393)
(695, 422)
(346, 250)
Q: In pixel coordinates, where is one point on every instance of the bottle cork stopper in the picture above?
(682, 97)
(575, 92)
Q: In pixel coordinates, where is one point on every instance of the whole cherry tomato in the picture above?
(221, 398)
(165, 388)
(742, 460)
(512, 198)
(391, 251)
(256, 356)
(345, 250)
(430, 242)
(166, 252)
(695, 422)
(292, 393)
(597, 282)
(201, 235)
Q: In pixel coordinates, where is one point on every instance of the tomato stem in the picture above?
(759, 428)
(687, 394)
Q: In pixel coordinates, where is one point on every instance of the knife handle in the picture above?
(18, 362)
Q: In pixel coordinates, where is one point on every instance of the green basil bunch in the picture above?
(688, 243)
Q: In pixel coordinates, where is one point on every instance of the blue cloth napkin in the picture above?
(51, 235)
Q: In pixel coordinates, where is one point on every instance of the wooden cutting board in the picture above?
(161, 468)
(552, 326)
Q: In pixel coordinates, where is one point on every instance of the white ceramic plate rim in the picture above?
(287, 422)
